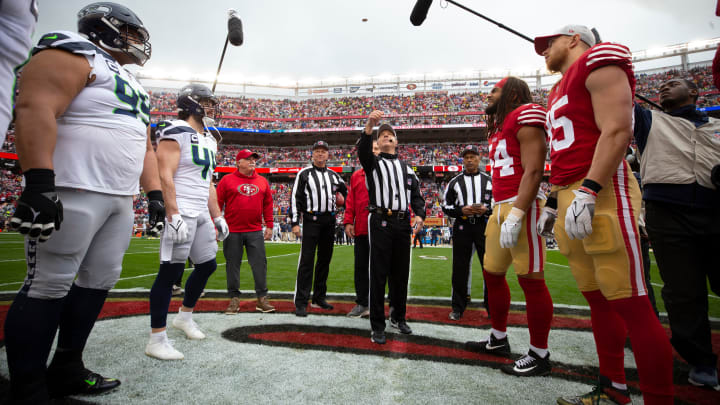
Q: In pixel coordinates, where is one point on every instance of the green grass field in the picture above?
(429, 276)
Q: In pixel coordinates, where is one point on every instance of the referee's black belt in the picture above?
(315, 215)
(389, 213)
(472, 219)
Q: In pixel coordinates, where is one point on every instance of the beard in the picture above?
(555, 62)
(491, 109)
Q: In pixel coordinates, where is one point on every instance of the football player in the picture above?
(517, 151)
(17, 23)
(186, 159)
(82, 126)
(589, 120)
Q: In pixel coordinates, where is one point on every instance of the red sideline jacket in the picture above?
(356, 203)
(245, 200)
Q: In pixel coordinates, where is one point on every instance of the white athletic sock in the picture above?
(158, 336)
(185, 316)
(498, 334)
(540, 352)
(619, 386)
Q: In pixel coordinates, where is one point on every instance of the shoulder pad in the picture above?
(70, 42)
(531, 114)
(167, 128)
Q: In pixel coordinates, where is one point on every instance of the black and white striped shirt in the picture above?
(467, 189)
(391, 183)
(314, 192)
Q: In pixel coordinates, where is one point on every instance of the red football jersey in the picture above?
(570, 117)
(504, 150)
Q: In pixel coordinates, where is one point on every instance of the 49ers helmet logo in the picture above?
(248, 189)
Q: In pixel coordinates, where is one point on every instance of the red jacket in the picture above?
(245, 200)
(356, 203)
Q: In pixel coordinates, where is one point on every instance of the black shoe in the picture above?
(530, 364)
(321, 304)
(497, 347)
(301, 311)
(455, 316)
(402, 326)
(378, 337)
(89, 383)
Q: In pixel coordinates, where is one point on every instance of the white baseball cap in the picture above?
(541, 43)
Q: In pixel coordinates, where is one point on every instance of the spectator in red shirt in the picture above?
(356, 213)
(246, 199)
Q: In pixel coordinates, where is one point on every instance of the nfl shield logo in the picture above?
(384, 223)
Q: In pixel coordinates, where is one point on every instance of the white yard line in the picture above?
(154, 274)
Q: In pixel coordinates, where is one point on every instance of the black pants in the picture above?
(317, 235)
(684, 240)
(389, 259)
(466, 236)
(362, 270)
(418, 239)
(645, 250)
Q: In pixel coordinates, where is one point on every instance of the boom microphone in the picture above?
(419, 12)
(235, 31)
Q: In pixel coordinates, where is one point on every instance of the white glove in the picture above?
(510, 228)
(178, 229)
(546, 222)
(579, 215)
(222, 228)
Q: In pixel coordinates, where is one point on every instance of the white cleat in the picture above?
(189, 327)
(162, 350)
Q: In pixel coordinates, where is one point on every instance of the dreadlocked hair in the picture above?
(515, 93)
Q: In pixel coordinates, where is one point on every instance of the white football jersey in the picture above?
(102, 136)
(17, 23)
(195, 169)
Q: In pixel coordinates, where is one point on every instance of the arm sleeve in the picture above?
(416, 199)
(449, 206)
(716, 67)
(349, 204)
(297, 199)
(267, 206)
(220, 191)
(643, 122)
(365, 155)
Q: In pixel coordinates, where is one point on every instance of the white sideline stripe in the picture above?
(154, 274)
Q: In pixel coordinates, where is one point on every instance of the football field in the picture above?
(430, 272)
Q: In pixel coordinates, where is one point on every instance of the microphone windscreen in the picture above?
(235, 31)
(419, 12)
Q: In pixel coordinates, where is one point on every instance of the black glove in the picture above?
(39, 211)
(156, 212)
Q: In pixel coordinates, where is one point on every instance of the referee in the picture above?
(313, 200)
(467, 198)
(393, 189)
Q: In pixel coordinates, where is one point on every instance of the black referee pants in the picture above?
(685, 241)
(466, 236)
(317, 235)
(389, 259)
(362, 271)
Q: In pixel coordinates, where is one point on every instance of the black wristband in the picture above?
(39, 180)
(155, 195)
(592, 185)
(551, 203)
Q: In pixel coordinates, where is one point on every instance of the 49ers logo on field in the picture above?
(248, 189)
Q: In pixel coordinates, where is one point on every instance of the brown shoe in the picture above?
(263, 305)
(234, 306)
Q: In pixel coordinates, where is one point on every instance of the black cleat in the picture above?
(378, 337)
(321, 304)
(301, 311)
(90, 384)
(529, 365)
(494, 346)
(402, 326)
